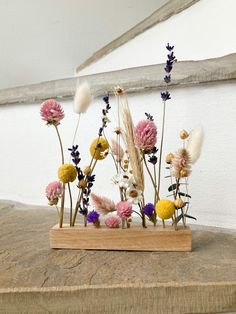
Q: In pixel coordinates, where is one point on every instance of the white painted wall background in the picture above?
(30, 152)
(205, 30)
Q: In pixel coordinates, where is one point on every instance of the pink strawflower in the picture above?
(145, 135)
(51, 111)
(112, 221)
(124, 209)
(53, 191)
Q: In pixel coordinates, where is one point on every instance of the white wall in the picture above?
(45, 40)
(30, 154)
(205, 30)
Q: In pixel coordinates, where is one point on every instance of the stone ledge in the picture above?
(138, 79)
(41, 280)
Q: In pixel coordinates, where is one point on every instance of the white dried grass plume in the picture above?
(194, 145)
(117, 150)
(134, 154)
(82, 98)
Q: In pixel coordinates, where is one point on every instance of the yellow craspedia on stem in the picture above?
(67, 173)
(98, 147)
(165, 209)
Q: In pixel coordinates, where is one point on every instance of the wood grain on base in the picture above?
(134, 239)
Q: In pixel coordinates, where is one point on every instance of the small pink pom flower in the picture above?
(51, 111)
(112, 221)
(53, 191)
(145, 135)
(124, 209)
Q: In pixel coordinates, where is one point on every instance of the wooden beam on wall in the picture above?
(139, 79)
(171, 8)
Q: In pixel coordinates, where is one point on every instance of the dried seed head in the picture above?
(183, 134)
(87, 170)
(119, 90)
(184, 173)
(82, 184)
(178, 203)
(117, 131)
(169, 158)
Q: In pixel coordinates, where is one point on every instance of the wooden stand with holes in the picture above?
(135, 238)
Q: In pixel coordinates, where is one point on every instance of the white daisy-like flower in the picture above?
(125, 180)
(134, 195)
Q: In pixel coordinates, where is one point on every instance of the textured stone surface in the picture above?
(27, 261)
(36, 279)
(137, 79)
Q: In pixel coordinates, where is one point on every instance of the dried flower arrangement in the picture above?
(133, 151)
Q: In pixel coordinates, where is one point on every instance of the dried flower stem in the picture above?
(143, 216)
(61, 146)
(77, 207)
(63, 193)
(176, 195)
(71, 205)
(57, 211)
(175, 218)
(80, 197)
(76, 130)
(161, 146)
(153, 181)
(62, 207)
(155, 196)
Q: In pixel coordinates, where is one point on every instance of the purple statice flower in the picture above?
(165, 96)
(148, 209)
(93, 216)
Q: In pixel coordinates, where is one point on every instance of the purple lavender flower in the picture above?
(148, 209)
(167, 78)
(165, 96)
(149, 116)
(75, 154)
(168, 47)
(93, 216)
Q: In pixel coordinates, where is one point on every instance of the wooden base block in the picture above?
(135, 238)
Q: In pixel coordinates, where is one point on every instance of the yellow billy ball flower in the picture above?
(165, 209)
(98, 146)
(67, 173)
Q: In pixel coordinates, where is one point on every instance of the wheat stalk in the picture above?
(134, 154)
